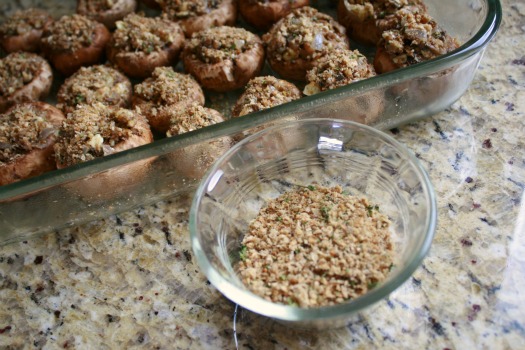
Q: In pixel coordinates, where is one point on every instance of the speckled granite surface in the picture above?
(130, 281)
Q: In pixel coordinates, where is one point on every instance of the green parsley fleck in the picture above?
(243, 253)
(370, 208)
(325, 213)
(79, 99)
(391, 267)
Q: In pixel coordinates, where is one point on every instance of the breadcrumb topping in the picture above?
(70, 33)
(94, 84)
(265, 92)
(146, 34)
(416, 38)
(316, 246)
(22, 129)
(23, 22)
(218, 44)
(305, 33)
(17, 70)
(192, 117)
(92, 131)
(338, 68)
(166, 87)
(181, 9)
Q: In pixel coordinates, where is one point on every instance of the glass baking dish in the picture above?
(150, 173)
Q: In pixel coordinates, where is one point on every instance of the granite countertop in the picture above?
(130, 280)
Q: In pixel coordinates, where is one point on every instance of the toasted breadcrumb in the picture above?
(316, 246)
(337, 68)
(22, 129)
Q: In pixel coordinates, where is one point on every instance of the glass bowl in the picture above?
(360, 159)
(384, 101)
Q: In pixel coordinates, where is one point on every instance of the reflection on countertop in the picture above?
(131, 280)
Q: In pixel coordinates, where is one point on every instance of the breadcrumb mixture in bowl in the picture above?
(315, 231)
(316, 246)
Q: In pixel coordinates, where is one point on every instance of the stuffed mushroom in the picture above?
(224, 58)
(264, 92)
(295, 42)
(24, 77)
(196, 15)
(27, 136)
(92, 84)
(365, 20)
(140, 44)
(262, 14)
(22, 31)
(415, 38)
(74, 41)
(193, 161)
(106, 11)
(165, 88)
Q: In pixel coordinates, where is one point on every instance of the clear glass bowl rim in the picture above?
(257, 304)
(482, 37)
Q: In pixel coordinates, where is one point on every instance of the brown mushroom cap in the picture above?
(140, 44)
(223, 58)
(106, 12)
(74, 41)
(27, 136)
(23, 77)
(23, 30)
(197, 15)
(295, 42)
(165, 88)
(263, 14)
